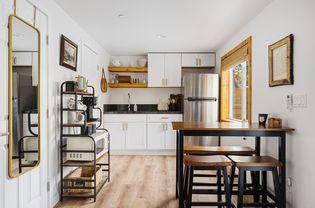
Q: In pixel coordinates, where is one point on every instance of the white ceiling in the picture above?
(189, 25)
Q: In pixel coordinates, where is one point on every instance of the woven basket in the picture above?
(84, 174)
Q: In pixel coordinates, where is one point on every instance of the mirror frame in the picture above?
(10, 93)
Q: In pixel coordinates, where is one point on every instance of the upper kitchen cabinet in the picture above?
(198, 60)
(164, 70)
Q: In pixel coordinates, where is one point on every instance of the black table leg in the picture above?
(282, 172)
(257, 175)
(181, 168)
(177, 150)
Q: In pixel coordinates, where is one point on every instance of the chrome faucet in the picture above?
(129, 104)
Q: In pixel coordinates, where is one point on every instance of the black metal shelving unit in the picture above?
(95, 164)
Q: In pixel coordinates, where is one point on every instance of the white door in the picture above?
(189, 60)
(117, 135)
(156, 136)
(173, 70)
(136, 136)
(156, 70)
(207, 60)
(170, 137)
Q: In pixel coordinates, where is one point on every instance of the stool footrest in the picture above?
(208, 203)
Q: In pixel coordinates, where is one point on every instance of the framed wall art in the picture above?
(68, 53)
(281, 62)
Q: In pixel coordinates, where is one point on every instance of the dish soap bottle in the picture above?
(135, 107)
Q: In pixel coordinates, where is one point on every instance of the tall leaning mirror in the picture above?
(24, 97)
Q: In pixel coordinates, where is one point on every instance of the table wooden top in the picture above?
(224, 126)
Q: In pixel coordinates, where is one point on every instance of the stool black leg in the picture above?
(264, 186)
(232, 178)
(255, 183)
(190, 185)
(276, 182)
(240, 188)
(186, 175)
(227, 188)
(219, 187)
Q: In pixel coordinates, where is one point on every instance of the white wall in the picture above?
(141, 96)
(91, 58)
(276, 21)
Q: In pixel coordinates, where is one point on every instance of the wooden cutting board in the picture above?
(103, 82)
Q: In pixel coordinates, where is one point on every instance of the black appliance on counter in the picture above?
(90, 103)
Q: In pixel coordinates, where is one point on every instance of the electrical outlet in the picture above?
(290, 103)
(289, 184)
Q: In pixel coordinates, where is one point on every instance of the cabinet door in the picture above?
(156, 136)
(170, 137)
(207, 60)
(156, 70)
(189, 60)
(35, 69)
(173, 70)
(22, 59)
(136, 136)
(117, 135)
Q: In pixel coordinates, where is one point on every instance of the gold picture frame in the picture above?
(281, 62)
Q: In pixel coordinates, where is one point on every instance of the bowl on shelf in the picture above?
(116, 62)
(142, 62)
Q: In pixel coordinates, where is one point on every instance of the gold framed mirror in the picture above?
(23, 96)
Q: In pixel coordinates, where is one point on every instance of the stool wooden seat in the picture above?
(204, 162)
(207, 161)
(256, 164)
(255, 161)
(219, 150)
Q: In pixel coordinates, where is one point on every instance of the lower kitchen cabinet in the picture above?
(136, 136)
(117, 135)
(141, 131)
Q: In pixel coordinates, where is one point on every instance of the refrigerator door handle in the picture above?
(214, 99)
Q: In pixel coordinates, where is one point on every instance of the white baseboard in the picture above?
(144, 152)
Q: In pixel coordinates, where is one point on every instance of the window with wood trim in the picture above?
(236, 83)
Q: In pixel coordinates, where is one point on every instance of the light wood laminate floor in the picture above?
(139, 182)
(136, 182)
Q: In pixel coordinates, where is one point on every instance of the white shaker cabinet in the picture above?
(198, 60)
(127, 131)
(22, 59)
(136, 136)
(164, 70)
(161, 135)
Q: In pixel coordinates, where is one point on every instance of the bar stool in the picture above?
(218, 150)
(214, 162)
(260, 164)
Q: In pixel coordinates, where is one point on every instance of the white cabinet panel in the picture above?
(173, 70)
(124, 118)
(136, 136)
(189, 60)
(22, 59)
(117, 135)
(170, 137)
(198, 60)
(35, 69)
(164, 117)
(155, 70)
(207, 60)
(156, 136)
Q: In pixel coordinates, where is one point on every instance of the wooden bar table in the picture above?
(228, 129)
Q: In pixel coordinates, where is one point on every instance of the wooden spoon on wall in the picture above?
(103, 82)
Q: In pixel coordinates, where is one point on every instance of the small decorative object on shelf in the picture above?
(262, 119)
(83, 143)
(274, 123)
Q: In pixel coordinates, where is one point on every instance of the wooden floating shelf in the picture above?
(128, 69)
(127, 85)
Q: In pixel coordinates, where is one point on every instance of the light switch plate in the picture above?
(300, 101)
(290, 102)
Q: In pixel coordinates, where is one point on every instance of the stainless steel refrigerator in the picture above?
(201, 98)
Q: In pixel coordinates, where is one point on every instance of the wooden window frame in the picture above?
(229, 60)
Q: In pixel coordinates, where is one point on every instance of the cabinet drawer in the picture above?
(153, 118)
(125, 118)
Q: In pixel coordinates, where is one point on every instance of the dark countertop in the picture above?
(142, 109)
